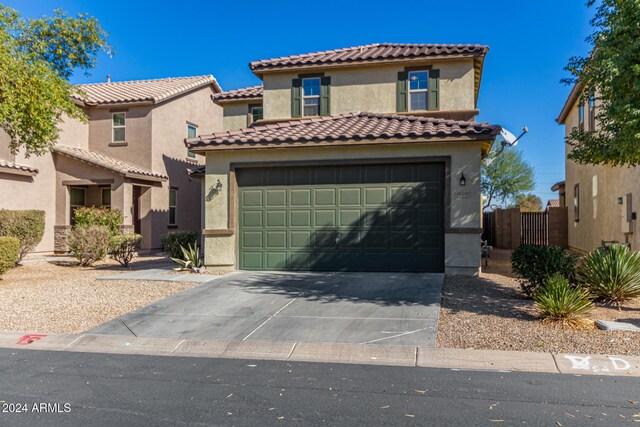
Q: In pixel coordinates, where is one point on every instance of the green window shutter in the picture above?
(434, 90)
(402, 94)
(325, 92)
(296, 98)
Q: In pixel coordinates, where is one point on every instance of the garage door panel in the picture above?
(359, 218)
(300, 218)
(276, 218)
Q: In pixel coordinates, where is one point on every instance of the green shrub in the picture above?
(110, 218)
(89, 244)
(190, 259)
(123, 246)
(536, 264)
(9, 253)
(558, 301)
(26, 226)
(611, 274)
(173, 242)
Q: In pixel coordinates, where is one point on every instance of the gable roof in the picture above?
(574, 95)
(378, 52)
(351, 128)
(16, 169)
(141, 91)
(243, 94)
(118, 166)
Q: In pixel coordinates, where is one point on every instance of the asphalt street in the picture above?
(105, 389)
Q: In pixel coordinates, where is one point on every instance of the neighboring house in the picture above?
(552, 203)
(602, 200)
(130, 155)
(365, 159)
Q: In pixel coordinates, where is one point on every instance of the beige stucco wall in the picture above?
(372, 89)
(461, 249)
(38, 192)
(235, 115)
(600, 188)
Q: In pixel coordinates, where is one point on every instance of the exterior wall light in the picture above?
(463, 180)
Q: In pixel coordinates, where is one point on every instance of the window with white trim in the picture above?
(311, 96)
(173, 206)
(256, 113)
(592, 112)
(581, 116)
(118, 127)
(192, 132)
(418, 90)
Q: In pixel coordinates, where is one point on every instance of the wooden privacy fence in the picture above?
(509, 228)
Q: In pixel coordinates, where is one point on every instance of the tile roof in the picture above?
(141, 91)
(246, 93)
(352, 126)
(370, 53)
(16, 168)
(100, 160)
(557, 186)
(553, 203)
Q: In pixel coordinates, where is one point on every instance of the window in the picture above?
(592, 112)
(118, 126)
(192, 132)
(173, 206)
(418, 88)
(106, 197)
(311, 97)
(576, 202)
(76, 200)
(256, 113)
(581, 117)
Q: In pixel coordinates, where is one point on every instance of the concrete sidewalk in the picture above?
(457, 359)
(163, 274)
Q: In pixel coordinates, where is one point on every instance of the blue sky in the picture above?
(530, 44)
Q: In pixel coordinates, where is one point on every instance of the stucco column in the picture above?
(122, 198)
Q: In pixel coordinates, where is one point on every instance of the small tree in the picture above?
(37, 57)
(528, 203)
(507, 176)
(612, 75)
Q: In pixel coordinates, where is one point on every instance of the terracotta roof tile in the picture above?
(27, 170)
(106, 162)
(553, 203)
(352, 126)
(152, 91)
(247, 93)
(370, 53)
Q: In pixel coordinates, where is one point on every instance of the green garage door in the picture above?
(350, 218)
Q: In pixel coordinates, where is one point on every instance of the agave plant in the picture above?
(558, 301)
(611, 274)
(191, 259)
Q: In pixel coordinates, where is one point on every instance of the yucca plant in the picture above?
(191, 259)
(612, 275)
(559, 302)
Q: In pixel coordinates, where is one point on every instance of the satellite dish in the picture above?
(509, 138)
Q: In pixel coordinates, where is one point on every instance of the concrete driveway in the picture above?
(372, 308)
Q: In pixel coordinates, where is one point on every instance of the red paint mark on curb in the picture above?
(28, 339)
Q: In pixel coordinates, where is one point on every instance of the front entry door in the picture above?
(137, 192)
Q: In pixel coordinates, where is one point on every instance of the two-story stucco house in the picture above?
(363, 159)
(129, 155)
(602, 200)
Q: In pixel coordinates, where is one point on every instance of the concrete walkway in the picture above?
(162, 274)
(457, 359)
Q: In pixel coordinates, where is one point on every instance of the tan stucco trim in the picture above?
(218, 232)
(239, 100)
(342, 143)
(74, 182)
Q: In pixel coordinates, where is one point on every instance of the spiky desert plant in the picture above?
(612, 275)
(190, 259)
(559, 302)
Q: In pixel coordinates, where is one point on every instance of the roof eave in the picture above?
(260, 71)
(144, 177)
(568, 104)
(16, 171)
(238, 100)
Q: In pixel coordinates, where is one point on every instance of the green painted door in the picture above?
(342, 218)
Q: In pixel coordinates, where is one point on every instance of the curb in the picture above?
(425, 357)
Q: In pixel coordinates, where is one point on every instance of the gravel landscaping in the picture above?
(58, 296)
(490, 312)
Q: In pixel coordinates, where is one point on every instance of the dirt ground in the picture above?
(58, 296)
(491, 312)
